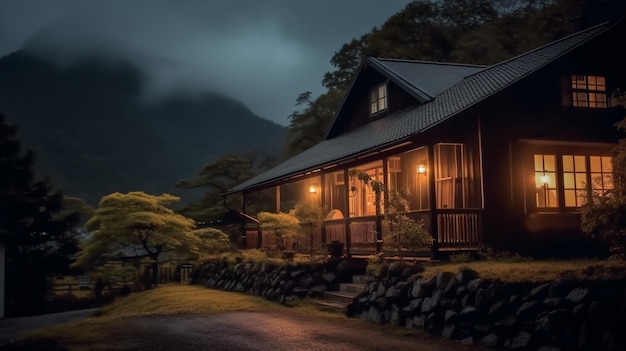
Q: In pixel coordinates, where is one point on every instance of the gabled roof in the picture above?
(396, 128)
(422, 79)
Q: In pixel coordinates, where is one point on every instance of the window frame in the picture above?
(585, 89)
(588, 150)
(375, 99)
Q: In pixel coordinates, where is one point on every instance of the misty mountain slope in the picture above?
(94, 133)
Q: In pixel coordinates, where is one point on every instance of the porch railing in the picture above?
(459, 228)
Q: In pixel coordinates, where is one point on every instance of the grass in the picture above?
(539, 271)
(165, 300)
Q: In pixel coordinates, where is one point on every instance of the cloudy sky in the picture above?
(262, 52)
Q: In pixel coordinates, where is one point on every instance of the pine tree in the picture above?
(38, 242)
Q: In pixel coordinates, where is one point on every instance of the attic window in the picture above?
(589, 91)
(378, 99)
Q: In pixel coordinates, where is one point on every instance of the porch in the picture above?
(455, 229)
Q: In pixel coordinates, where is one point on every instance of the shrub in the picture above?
(603, 215)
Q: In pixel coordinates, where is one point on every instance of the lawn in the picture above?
(181, 298)
(538, 271)
(172, 299)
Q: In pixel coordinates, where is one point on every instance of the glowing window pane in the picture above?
(596, 165)
(570, 198)
(607, 164)
(579, 163)
(568, 181)
(568, 163)
(549, 163)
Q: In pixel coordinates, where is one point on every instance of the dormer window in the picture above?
(378, 99)
(589, 91)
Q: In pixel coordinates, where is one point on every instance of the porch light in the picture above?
(545, 179)
(312, 189)
(421, 169)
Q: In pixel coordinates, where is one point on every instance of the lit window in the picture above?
(589, 91)
(378, 99)
(545, 181)
(574, 180)
(570, 179)
(601, 173)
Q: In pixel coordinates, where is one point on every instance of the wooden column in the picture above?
(432, 200)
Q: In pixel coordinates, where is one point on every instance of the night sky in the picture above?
(263, 53)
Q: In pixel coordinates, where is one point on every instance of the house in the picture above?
(494, 156)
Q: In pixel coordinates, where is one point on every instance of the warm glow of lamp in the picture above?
(421, 169)
(545, 179)
(312, 189)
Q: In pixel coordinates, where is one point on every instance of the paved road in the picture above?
(270, 331)
(241, 331)
(10, 328)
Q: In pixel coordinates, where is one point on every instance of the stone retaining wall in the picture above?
(555, 316)
(284, 283)
(559, 315)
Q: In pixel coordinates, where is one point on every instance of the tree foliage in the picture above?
(215, 179)
(135, 225)
(603, 215)
(35, 232)
(284, 226)
(311, 216)
(406, 231)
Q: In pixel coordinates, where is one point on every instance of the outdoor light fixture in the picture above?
(421, 169)
(312, 189)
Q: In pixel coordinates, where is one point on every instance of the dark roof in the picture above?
(397, 127)
(423, 79)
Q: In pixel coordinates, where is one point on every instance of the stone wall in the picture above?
(284, 283)
(554, 316)
(559, 315)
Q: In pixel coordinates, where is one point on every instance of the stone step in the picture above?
(338, 300)
(352, 288)
(359, 279)
(338, 296)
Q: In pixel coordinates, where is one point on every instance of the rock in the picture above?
(447, 331)
(561, 286)
(450, 316)
(528, 310)
(427, 305)
(474, 285)
(578, 295)
(521, 341)
(490, 341)
(443, 278)
(539, 292)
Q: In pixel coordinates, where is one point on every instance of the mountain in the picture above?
(95, 133)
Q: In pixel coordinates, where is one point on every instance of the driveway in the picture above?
(10, 328)
(241, 331)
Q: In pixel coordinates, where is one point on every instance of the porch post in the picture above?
(277, 198)
(244, 235)
(432, 201)
(346, 220)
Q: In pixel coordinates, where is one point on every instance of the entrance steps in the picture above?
(337, 301)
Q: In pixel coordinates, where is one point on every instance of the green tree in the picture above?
(308, 126)
(407, 231)
(284, 226)
(137, 225)
(37, 239)
(603, 215)
(310, 216)
(212, 240)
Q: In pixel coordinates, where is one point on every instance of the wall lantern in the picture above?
(421, 169)
(312, 189)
